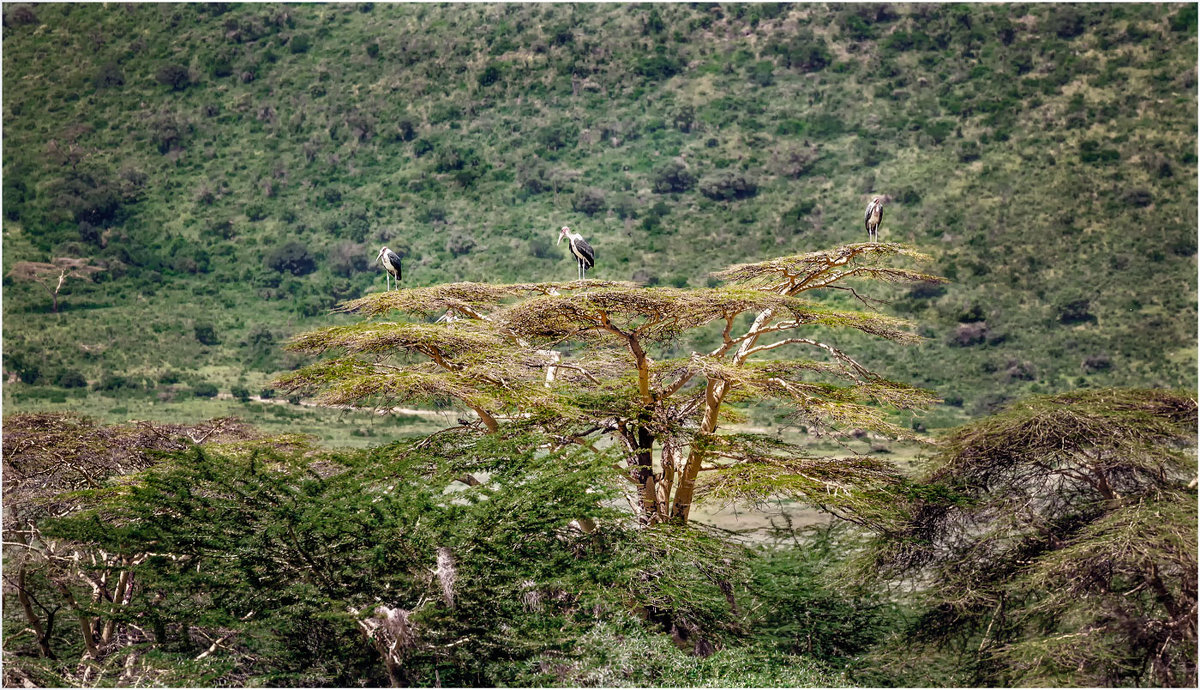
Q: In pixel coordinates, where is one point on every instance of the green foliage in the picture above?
(289, 549)
(173, 75)
(206, 334)
(1184, 20)
(1066, 21)
(300, 43)
(728, 185)
(659, 67)
(384, 567)
(25, 367)
(1058, 541)
(490, 75)
(802, 51)
(70, 378)
(109, 75)
(291, 257)
(115, 383)
(589, 201)
(1075, 311)
(1090, 151)
(673, 176)
(804, 611)
(762, 73)
(205, 389)
(622, 654)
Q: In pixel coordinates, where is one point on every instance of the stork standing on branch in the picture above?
(580, 249)
(391, 264)
(875, 217)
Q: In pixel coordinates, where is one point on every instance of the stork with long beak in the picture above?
(875, 217)
(581, 250)
(391, 263)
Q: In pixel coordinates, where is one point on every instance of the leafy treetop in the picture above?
(585, 358)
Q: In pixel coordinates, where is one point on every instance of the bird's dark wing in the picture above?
(585, 252)
(870, 207)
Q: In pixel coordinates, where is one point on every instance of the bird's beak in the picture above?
(560, 236)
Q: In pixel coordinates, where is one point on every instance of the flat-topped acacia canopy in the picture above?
(494, 351)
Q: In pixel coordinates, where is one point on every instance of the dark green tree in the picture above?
(377, 567)
(55, 466)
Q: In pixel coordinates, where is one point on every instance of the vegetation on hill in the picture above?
(188, 187)
(234, 167)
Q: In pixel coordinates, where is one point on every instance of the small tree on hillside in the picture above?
(55, 273)
(581, 365)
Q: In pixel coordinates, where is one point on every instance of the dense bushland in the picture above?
(239, 560)
(1052, 543)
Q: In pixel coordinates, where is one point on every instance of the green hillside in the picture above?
(235, 169)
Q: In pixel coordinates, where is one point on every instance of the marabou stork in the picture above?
(875, 217)
(391, 264)
(580, 248)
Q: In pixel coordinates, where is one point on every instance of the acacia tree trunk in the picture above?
(641, 438)
(85, 622)
(643, 473)
(714, 395)
(488, 420)
(121, 597)
(667, 481)
(35, 623)
(61, 277)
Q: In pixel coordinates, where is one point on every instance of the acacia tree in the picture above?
(586, 359)
(56, 272)
(1057, 542)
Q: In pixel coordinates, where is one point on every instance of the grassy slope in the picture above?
(1044, 153)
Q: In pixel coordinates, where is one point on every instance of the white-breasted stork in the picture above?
(391, 263)
(582, 251)
(875, 217)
